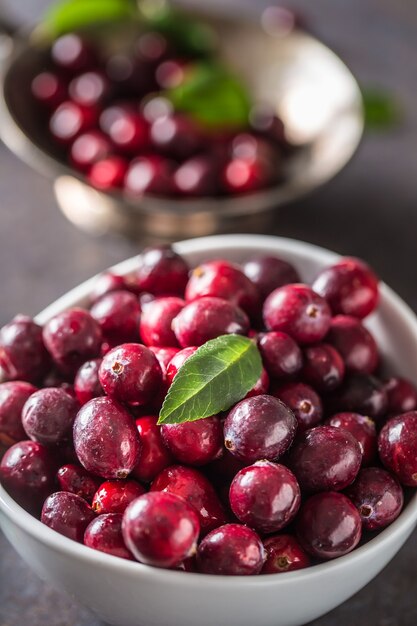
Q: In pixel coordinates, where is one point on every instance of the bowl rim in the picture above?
(405, 523)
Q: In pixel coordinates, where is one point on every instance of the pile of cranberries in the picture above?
(311, 461)
(107, 115)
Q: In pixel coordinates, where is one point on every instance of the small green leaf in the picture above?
(381, 109)
(216, 376)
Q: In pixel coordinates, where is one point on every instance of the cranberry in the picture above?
(89, 88)
(350, 287)
(156, 320)
(193, 486)
(362, 428)
(130, 373)
(118, 314)
(197, 176)
(49, 89)
(397, 446)
(129, 133)
(303, 401)
(208, 318)
(261, 386)
(263, 119)
(281, 355)
(247, 175)
(71, 53)
(67, 514)
(231, 550)
(89, 148)
(161, 529)
(297, 310)
(13, 396)
(150, 174)
(75, 479)
(283, 553)
(162, 272)
(269, 272)
(104, 533)
(106, 283)
(329, 525)
(261, 427)
(325, 459)
(354, 343)
(265, 496)
(402, 395)
(22, 352)
(106, 439)
(177, 136)
(361, 394)
(177, 362)
(152, 47)
(164, 356)
(72, 337)
(70, 120)
(108, 173)
(223, 279)
(114, 496)
(48, 416)
(194, 443)
(154, 456)
(323, 368)
(87, 385)
(170, 73)
(27, 472)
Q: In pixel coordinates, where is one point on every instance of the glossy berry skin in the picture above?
(86, 384)
(71, 54)
(231, 550)
(49, 90)
(397, 447)
(196, 177)
(75, 479)
(176, 136)
(223, 279)
(402, 395)
(259, 428)
(328, 525)
(106, 283)
(72, 337)
(164, 356)
(303, 401)
(154, 456)
(350, 287)
(161, 529)
(48, 416)
(67, 514)
(281, 355)
(378, 496)
(177, 362)
(362, 428)
(89, 148)
(354, 343)
(325, 459)
(108, 173)
(106, 439)
(269, 272)
(129, 133)
(261, 386)
(69, 120)
(27, 472)
(13, 396)
(298, 311)
(194, 443)
(193, 486)
(89, 88)
(246, 175)
(208, 318)
(162, 272)
(22, 352)
(156, 320)
(150, 174)
(265, 496)
(283, 553)
(118, 314)
(361, 394)
(104, 533)
(323, 368)
(114, 496)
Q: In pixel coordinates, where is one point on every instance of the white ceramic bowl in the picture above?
(131, 594)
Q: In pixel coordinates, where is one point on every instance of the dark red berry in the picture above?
(354, 343)
(402, 395)
(106, 283)
(67, 514)
(362, 428)
(360, 394)
(231, 550)
(378, 496)
(114, 496)
(89, 88)
(49, 89)
(176, 136)
(269, 272)
(48, 416)
(177, 362)
(323, 368)
(397, 446)
(162, 272)
(129, 133)
(108, 173)
(164, 356)
(70, 120)
(154, 456)
(22, 352)
(104, 533)
(76, 479)
(118, 314)
(196, 177)
(89, 148)
(13, 396)
(194, 443)
(149, 174)
(261, 386)
(86, 384)
(283, 553)
(303, 401)
(247, 175)
(156, 321)
(170, 73)
(71, 53)
(281, 355)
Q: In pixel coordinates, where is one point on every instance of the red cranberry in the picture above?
(104, 533)
(22, 352)
(161, 529)
(378, 496)
(323, 368)
(261, 386)
(89, 148)
(156, 320)
(27, 472)
(397, 446)
(402, 395)
(362, 428)
(265, 496)
(262, 116)
(130, 373)
(297, 310)
(67, 514)
(170, 73)
(129, 133)
(231, 550)
(162, 272)
(258, 428)
(223, 279)
(193, 486)
(87, 385)
(106, 439)
(329, 525)
(361, 394)
(108, 173)
(75, 479)
(114, 496)
(350, 287)
(325, 459)
(247, 175)
(106, 283)
(48, 89)
(164, 356)
(303, 401)
(177, 362)
(208, 318)
(154, 456)
(89, 88)
(196, 177)
(13, 396)
(177, 136)
(283, 553)
(152, 46)
(70, 120)
(71, 53)
(48, 416)
(194, 443)
(269, 272)
(150, 174)
(118, 314)
(354, 343)
(281, 355)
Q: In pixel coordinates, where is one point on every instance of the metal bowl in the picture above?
(308, 86)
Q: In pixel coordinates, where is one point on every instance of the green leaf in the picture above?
(381, 109)
(216, 376)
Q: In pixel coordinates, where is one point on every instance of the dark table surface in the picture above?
(369, 210)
